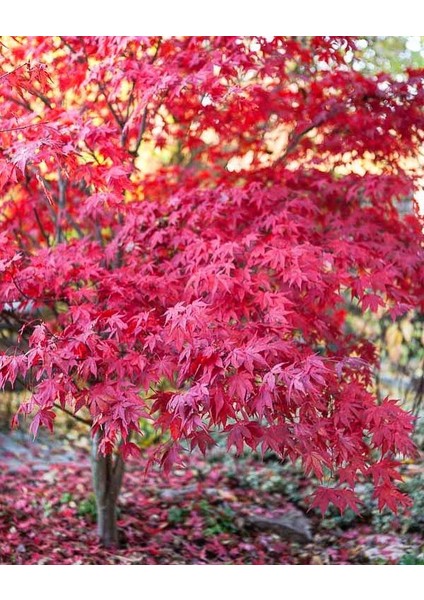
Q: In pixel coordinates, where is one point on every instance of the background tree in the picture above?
(185, 222)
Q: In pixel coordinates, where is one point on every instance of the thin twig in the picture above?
(143, 124)
(40, 225)
(140, 133)
(42, 97)
(71, 414)
(61, 207)
(75, 225)
(13, 71)
(19, 102)
(67, 44)
(24, 127)
(116, 115)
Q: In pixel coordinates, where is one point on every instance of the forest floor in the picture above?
(223, 510)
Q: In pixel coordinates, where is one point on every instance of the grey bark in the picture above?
(107, 473)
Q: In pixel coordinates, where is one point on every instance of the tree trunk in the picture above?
(107, 479)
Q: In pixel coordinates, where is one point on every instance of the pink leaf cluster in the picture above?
(227, 270)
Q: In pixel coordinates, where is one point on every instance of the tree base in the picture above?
(107, 480)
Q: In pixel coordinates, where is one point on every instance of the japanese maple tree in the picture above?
(185, 224)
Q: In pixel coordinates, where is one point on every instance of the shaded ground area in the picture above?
(219, 511)
(18, 449)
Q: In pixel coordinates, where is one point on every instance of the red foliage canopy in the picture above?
(190, 210)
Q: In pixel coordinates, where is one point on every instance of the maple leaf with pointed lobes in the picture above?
(388, 496)
(240, 385)
(342, 498)
(372, 302)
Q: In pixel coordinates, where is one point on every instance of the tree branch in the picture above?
(71, 414)
(42, 230)
(294, 142)
(143, 124)
(297, 138)
(140, 133)
(75, 225)
(24, 127)
(61, 206)
(116, 115)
